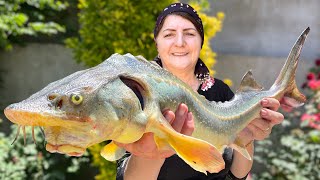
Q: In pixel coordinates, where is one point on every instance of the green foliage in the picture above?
(27, 17)
(34, 162)
(115, 26)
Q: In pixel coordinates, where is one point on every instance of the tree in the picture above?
(115, 26)
(20, 18)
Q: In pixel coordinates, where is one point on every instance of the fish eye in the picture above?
(76, 99)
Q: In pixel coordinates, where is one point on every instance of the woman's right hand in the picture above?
(181, 120)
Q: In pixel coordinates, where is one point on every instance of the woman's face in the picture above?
(178, 44)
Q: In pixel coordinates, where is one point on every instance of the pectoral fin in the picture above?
(199, 154)
(112, 152)
(238, 146)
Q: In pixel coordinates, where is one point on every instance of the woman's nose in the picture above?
(180, 41)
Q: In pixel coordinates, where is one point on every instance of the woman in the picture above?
(179, 37)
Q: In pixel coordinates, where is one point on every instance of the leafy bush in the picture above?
(26, 17)
(297, 155)
(30, 161)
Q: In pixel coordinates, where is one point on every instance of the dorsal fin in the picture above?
(248, 83)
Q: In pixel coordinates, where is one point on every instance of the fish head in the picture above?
(78, 111)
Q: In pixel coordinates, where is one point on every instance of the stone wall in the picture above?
(264, 69)
(267, 28)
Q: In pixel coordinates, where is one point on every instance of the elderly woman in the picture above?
(179, 38)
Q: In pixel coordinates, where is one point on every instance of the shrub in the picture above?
(27, 17)
(30, 161)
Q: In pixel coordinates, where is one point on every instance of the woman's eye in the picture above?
(168, 35)
(76, 99)
(190, 34)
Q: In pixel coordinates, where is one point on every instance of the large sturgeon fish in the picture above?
(122, 98)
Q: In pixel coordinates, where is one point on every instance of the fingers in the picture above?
(262, 127)
(145, 147)
(257, 133)
(169, 115)
(270, 103)
(182, 120)
(188, 126)
(272, 117)
(261, 124)
(181, 116)
(142, 147)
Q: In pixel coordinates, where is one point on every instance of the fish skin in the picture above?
(123, 98)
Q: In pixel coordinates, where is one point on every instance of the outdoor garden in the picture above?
(291, 152)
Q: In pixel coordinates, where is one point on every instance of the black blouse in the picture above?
(174, 168)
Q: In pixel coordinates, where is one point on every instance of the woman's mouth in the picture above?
(179, 53)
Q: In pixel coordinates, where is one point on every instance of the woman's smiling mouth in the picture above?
(179, 53)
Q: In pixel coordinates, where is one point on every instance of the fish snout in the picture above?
(9, 112)
(11, 106)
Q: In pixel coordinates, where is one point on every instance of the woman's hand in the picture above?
(257, 129)
(260, 128)
(181, 120)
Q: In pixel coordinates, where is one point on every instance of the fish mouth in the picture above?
(55, 120)
(67, 149)
(28, 118)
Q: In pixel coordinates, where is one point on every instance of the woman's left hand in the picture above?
(260, 128)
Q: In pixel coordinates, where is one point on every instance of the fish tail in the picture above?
(285, 82)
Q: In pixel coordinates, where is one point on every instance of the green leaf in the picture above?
(20, 19)
(315, 136)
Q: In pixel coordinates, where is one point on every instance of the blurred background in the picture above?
(44, 40)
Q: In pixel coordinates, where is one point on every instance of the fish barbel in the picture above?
(122, 98)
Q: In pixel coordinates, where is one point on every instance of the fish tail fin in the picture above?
(199, 154)
(293, 97)
(286, 80)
